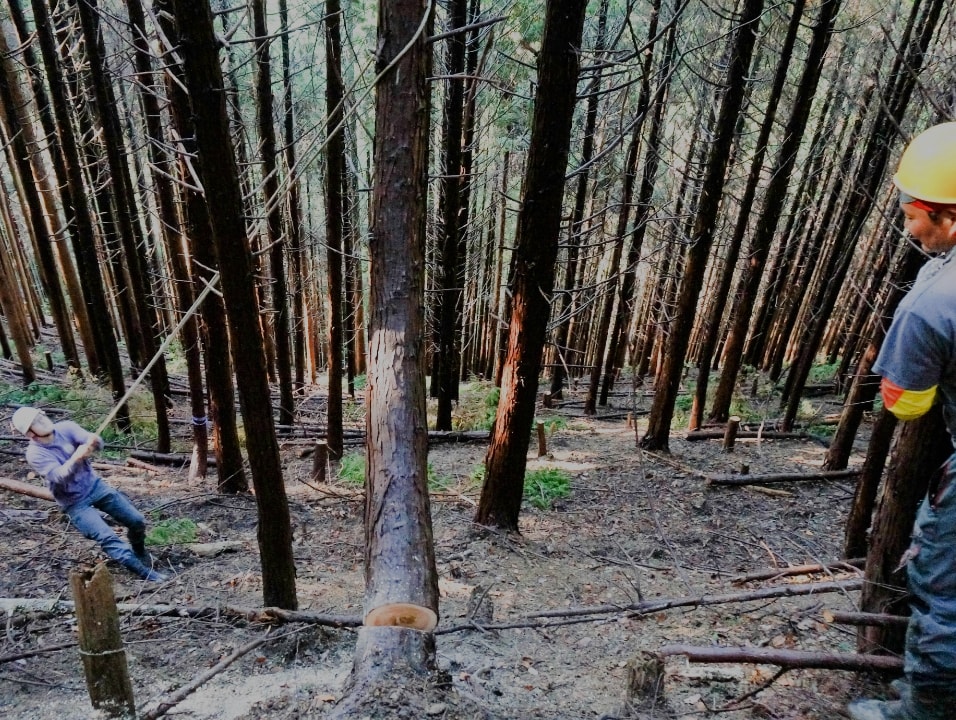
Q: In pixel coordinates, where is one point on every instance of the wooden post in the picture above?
(320, 461)
(730, 435)
(101, 645)
(630, 420)
(744, 468)
(542, 440)
(49, 360)
(547, 401)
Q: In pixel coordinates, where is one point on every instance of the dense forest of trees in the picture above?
(668, 186)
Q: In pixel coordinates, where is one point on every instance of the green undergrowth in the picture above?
(87, 404)
(172, 531)
(352, 472)
(542, 485)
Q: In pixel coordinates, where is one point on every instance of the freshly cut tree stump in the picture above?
(407, 615)
(101, 645)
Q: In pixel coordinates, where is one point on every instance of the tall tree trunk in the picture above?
(740, 51)
(447, 358)
(273, 208)
(334, 183)
(132, 241)
(53, 197)
(296, 251)
(567, 298)
(215, 337)
(220, 178)
(172, 234)
(712, 326)
(399, 550)
(764, 233)
(84, 246)
(865, 186)
(11, 98)
(535, 252)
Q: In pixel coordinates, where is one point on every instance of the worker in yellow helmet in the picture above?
(918, 365)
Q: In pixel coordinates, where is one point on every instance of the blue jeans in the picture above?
(930, 658)
(85, 515)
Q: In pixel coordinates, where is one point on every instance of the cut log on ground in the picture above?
(747, 435)
(841, 617)
(771, 573)
(25, 489)
(765, 478)
(173, 459)
(785, 658)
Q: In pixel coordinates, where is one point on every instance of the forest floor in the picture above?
(636, 527)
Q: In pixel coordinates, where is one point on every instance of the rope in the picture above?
(210, 286)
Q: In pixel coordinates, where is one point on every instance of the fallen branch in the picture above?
(778, 477)
(189, 688)
(136, 463)
(25, 489)
(747, 434)
(772, 573)
(36, 651)
(269, 614)
(841, 617)
(173, 459)
(785, 658)
(546, 618)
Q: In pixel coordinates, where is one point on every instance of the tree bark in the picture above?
(220, 177)
(84, 246)
(923, 445)
(536, 246)
(399, 550)
(334, 182)
(740, 51)
(273, 209)
(215, 338)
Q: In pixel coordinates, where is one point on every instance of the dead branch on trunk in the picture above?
(785, 658)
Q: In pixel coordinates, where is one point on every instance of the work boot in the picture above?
(145, 572)
(142, 554)
(915, 703)
(878, 710)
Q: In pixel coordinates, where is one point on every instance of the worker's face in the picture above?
(936, 232)
(42, 428)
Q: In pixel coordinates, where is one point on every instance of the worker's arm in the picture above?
(912, 362)
(906, 404)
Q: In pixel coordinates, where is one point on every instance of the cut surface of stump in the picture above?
(406, 615)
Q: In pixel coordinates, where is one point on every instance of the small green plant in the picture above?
(552, 424)
(172, 531)
(542, 486)
(352, 469)
(352, 472)
(359, 382)
(821, 374)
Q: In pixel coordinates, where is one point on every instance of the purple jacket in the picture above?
(69, 483)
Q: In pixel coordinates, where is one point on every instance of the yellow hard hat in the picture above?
(927, 169)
